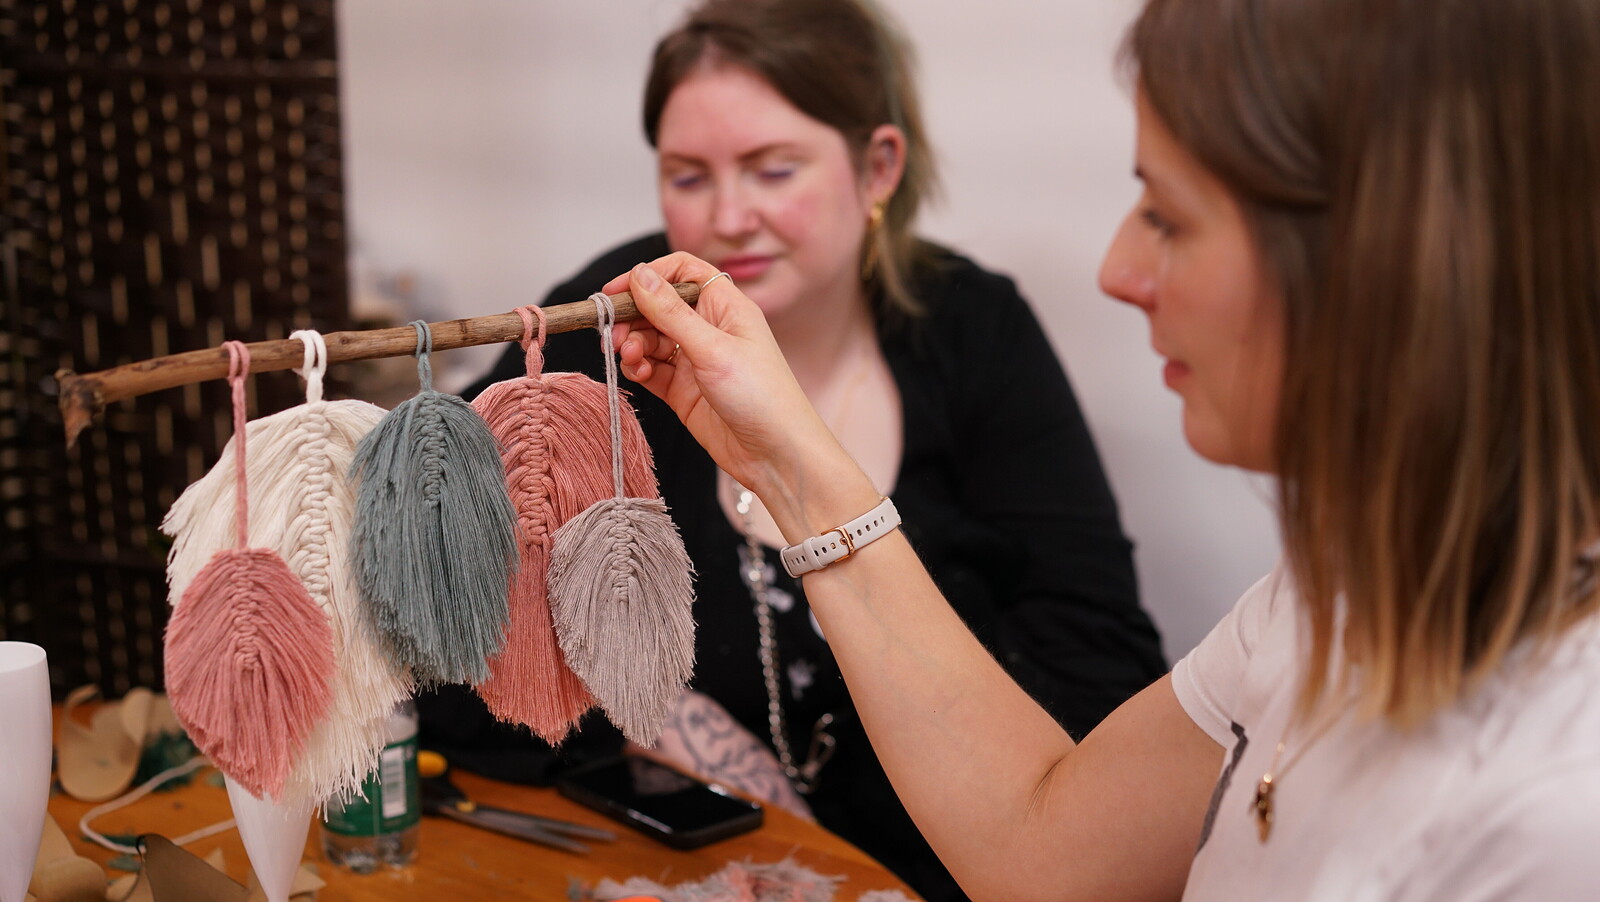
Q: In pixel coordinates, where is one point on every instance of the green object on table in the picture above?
(163, 752)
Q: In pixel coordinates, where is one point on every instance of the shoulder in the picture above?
(975, 326)
(1530, 838)
(1542, 705)
(1549, 807)
(1209, 680)
(958, 293)
(1524, 809)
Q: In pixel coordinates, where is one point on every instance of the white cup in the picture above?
(24, 763)
(274, 837)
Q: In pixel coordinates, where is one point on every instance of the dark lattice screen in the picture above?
(171, 178)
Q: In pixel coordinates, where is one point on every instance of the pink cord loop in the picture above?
(238, 369)
(534, 349)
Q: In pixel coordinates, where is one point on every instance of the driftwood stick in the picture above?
(84, 397)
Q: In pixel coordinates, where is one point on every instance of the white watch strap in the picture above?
(842, 541)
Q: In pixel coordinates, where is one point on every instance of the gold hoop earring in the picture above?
(869, 255)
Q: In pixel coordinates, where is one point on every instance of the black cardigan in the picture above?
(1003, 497)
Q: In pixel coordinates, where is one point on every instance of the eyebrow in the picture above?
(761, 151)
(1143, 176)
(1158, 186)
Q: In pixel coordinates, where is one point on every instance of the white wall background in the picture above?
(494, 147)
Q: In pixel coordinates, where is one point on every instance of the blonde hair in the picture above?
(1423, 179)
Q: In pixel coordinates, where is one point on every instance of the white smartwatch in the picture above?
(842, 541)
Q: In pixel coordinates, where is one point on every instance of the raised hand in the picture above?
(718, 367)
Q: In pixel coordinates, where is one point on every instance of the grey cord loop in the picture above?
(424, 348)
(605, 318)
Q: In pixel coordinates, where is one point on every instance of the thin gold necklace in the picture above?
(861, 368)
(1265, 802)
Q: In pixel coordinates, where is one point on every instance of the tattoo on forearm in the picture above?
(705, 738)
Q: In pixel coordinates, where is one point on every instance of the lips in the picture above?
(745, 266)
(1174, 373)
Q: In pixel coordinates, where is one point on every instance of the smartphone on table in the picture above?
(654, 799)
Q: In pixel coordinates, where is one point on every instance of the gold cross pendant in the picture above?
(1264, 806)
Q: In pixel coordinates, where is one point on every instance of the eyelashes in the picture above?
(767, 175)
(1158, 223)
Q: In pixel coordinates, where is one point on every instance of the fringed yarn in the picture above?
(248, 657)
(628, 629)
(529, 681)
(345, 746)
(621, 590)
(434, 542)
(303, 507)
(249, 654)
(557, 464)
(744, 881)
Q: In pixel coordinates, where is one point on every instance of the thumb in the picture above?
(660, 304)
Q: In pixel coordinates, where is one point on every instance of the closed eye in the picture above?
(1160, 224)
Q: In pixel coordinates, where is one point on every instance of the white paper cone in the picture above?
(274, 837)
(25, 753)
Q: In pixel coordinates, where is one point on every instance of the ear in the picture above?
(884, 163)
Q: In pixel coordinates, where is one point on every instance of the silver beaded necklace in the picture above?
(804, 776)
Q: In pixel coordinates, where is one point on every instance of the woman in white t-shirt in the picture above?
(1369, 249)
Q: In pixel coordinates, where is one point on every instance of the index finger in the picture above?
(679, 266)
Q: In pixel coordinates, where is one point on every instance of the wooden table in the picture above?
(458, 862)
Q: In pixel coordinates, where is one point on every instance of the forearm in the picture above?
(700, 736)
(1014, 809)
(965, 747)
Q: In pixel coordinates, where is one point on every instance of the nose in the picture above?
(732, 215)
(1128, 271)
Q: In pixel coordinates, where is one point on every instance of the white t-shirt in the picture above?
(1495, 798)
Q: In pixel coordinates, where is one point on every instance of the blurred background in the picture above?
(179, 172)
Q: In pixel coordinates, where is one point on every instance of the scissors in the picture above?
(443, 798)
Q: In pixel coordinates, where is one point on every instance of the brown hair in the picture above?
(1423, 180)
(837, 61)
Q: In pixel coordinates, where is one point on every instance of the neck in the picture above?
(818, 338)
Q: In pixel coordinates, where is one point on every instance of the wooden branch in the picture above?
(84, 397)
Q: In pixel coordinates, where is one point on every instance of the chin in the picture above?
(774, 298)
(1216, 446)
(1206, 440)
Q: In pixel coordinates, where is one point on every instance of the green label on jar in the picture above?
(393, 798)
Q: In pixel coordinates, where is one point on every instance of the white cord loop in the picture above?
(316, 362)
(139, 792)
